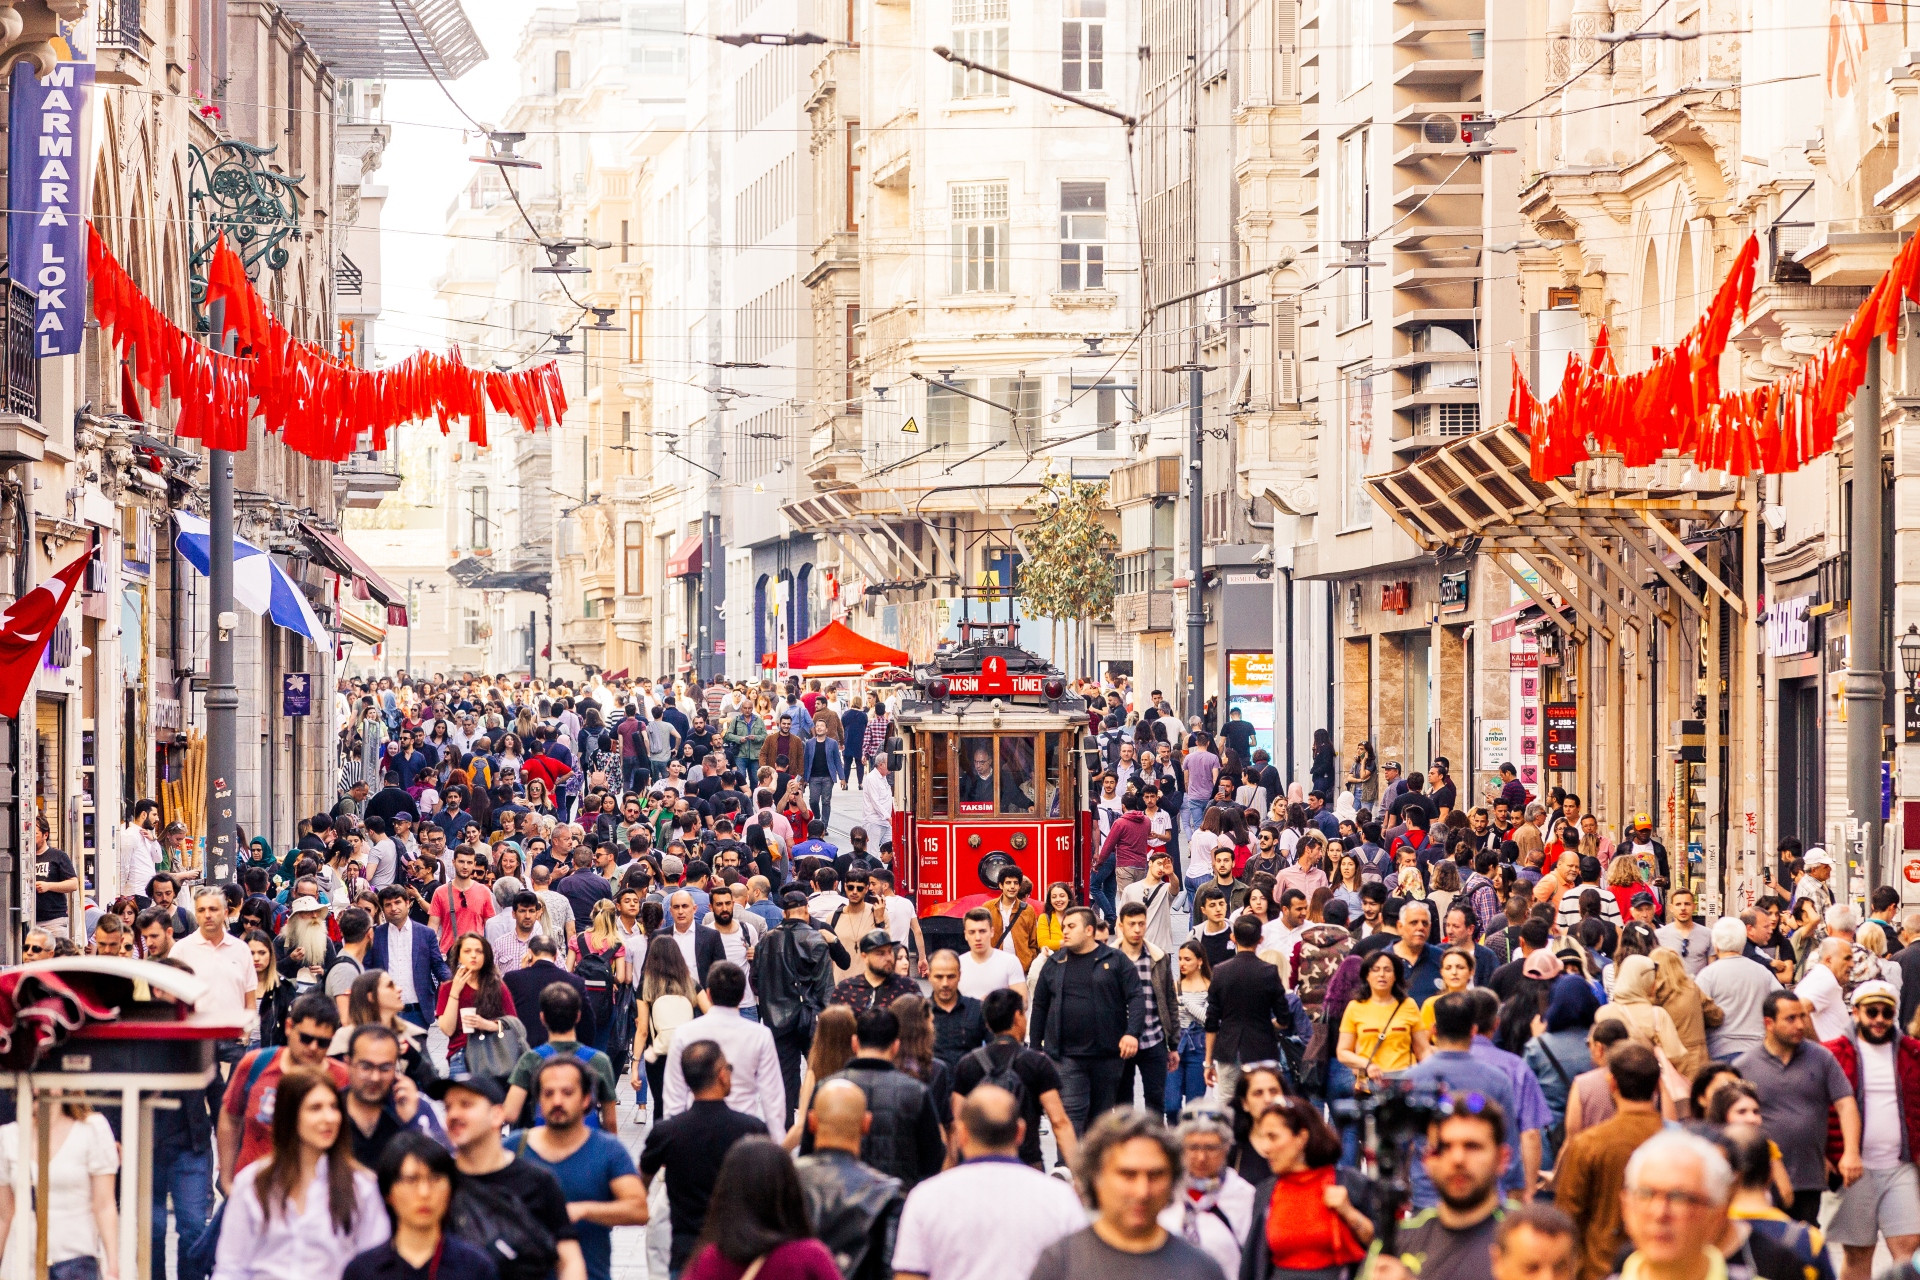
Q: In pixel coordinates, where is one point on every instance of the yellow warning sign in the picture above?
(989, 578)
(910, 427)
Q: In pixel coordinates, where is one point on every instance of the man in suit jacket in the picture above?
(701, 946)
(425, 968)
(1247, 1010)
(538, 973)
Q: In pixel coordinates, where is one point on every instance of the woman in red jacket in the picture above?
(1309, 1219)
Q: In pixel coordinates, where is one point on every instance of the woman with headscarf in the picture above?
(1691, 1009)
(1632, 1003)
(1559, 1052)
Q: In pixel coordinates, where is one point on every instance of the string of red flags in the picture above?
(1677, 403)
(318, 403)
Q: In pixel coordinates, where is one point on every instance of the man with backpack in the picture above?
(513, 1210)
(1030, 1076)
(560, 1009)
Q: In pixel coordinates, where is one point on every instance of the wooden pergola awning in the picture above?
(1476, 494)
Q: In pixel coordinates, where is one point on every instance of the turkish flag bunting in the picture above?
(25, 628)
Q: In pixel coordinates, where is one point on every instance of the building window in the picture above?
(636, 328)
(1106, 412)
(562, 70)
(1356, 64)
(1356, 505)
(469, 627)
(853, 355)
(478, 524)
(980, 35)
(853, 175)
(980, 238)
(626, 427)
(634, 546)
(1083, 235)
(1083, 42)
(947, 411)
(1021, 428)
(1356, 191)
(623, 241)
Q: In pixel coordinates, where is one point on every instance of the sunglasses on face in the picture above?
(312, 1041)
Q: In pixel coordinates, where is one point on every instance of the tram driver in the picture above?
(1016, 777)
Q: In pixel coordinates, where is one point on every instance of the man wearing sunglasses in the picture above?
(246, 1111)
(1882, 1195)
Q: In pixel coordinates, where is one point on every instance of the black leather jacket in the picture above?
(855, 1211)
(793, 975)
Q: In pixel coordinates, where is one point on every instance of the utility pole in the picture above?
(1866, 679)
(223, 697)
(1196, 521)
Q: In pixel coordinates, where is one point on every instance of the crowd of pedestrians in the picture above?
(529, 900)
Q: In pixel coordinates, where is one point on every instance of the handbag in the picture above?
(1556, 1133)
(1363, 1083)
(496, 1053)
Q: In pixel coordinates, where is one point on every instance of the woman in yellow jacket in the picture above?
(1046, 926)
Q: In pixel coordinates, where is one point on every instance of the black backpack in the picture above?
(1002, 1075)
(501, 1227)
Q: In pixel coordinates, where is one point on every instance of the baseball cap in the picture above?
(1642, 820)
(793, 898)
(1875, 990)
(672, 867)
(1391, 764)
(486, 1086)
(1818, 857)
(877, 940)
(1642, 899)
(308, 903)
(1543, 964)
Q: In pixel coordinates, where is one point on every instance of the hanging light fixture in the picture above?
(1910, 654)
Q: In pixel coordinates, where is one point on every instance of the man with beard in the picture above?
(305, 952)
(1466, 1152)
(739, 931)
(1882, 1195)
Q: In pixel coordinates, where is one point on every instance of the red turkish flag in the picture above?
(25, 628)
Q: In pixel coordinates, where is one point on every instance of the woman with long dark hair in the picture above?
(1324, 762)
(273, 994)
(758, 1214)
(915, 1056)
(1187, 1072)
(376, 999)
(306, 1208)
(832, 1050)
(475, 999)
(1259, 1087)
(416, 1179)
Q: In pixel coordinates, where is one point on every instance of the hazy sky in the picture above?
(425, 166)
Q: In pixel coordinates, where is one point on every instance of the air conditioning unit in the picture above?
(1439, 130)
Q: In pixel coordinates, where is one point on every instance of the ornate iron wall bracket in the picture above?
(233, 191)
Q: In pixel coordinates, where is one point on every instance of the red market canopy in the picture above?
(838, 645)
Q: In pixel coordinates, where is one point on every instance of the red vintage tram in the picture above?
(990, 766)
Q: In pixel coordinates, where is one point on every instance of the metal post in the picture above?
(1196, 531)
(223, 696)
(410, 626)
(1866, 680)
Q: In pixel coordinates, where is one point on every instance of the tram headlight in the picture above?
(1055, 688)
(938, 688)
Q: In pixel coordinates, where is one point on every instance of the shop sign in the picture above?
(1789, 629)
(59, 648)
(1912, 717)
(1523, 660)
(1563, 732)
(1495, 744)
(1250, 692)
(1453, 592)
(1396, 597)
(46, 168)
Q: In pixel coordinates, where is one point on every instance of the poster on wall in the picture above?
(1250, 691)
(1496, 744)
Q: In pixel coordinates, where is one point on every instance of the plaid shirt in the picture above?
(1484, 899)
(1151, 1032)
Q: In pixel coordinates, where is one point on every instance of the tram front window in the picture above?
(1016, 775)
(976, 776)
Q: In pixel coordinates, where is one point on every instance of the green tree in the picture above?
(1067, 575)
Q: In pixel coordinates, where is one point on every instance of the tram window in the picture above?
(976, 775)
(938, 780)
(1055, 742)
(1016, 775)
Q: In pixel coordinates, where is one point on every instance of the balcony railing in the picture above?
(22, 368)
(120, 25)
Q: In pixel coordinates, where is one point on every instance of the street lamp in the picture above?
(1910, 655)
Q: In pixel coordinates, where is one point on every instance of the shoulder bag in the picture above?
(496, 1053)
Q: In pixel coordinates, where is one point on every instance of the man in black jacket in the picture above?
(1089, 1011)
(391, 799)
(793, 979)
(904, 1140)
(540, 972)
(1247, 1010)
(853, 1207)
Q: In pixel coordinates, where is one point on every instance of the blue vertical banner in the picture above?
(46, 229)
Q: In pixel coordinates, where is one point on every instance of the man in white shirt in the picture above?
(1156, 894)
(876, 801)
(748, 1046)
(140, 848)
(1283, 933)
(1682, 935)
(1821, 989)
(989, 1217)
(1885, 1197)
(1106, 810)
(983, 968)
(216, 957)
